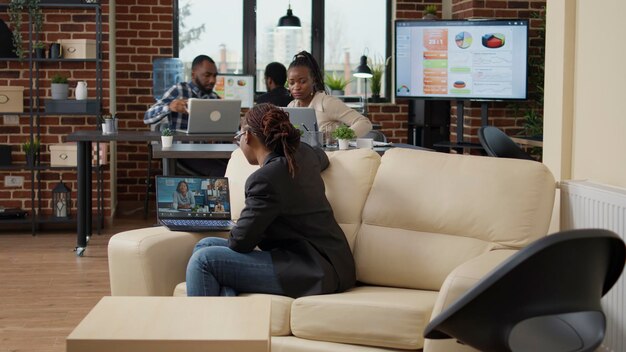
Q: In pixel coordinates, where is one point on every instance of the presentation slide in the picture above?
(462, 59)
(236, 87)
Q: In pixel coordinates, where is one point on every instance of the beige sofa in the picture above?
(423, 227)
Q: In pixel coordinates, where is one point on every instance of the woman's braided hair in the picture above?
(304, 59)
(272, 127)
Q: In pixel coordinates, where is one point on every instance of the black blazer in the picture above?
(293, 220)
(278, 96)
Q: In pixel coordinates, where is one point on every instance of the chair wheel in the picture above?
(80, 251)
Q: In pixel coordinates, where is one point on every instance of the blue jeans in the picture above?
(216, 270)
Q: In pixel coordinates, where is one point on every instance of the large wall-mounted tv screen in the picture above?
(469, 59)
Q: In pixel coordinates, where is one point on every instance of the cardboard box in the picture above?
(11, 99)
(65, 154)
(78, 48)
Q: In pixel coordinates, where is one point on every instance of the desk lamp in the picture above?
(289, 21)
(363, 71)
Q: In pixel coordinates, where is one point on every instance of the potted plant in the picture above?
(336, 84)
(31, 149)
(378, 69)
(167, 137)
(16, 7)
(40, 50)
(59, 88)
(430, 12)
(343, 134)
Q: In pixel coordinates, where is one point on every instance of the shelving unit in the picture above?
(35, 112)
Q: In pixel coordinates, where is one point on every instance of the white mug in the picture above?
(365, 143)
(81, 90)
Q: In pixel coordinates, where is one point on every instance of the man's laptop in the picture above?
(213, 116)
(303, 118)
(208, 211)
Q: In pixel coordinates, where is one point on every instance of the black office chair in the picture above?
(497, 143)
(546, 297)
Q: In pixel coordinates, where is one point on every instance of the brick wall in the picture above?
(144, 32)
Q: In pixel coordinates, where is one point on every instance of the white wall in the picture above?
(584, 110)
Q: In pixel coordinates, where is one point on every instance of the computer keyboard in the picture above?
(198, 222)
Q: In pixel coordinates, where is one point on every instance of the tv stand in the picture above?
(460, 125)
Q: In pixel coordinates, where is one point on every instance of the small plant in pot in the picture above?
(167, 137)
(336, 84)
(344, 134)
(376, 82)
(31, 149)
(40, 50)
(430, 12)
(59, 87)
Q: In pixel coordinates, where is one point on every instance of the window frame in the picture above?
(317, 36)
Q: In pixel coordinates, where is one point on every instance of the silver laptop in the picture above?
(303, 118)
(213, 116)
(207, 205)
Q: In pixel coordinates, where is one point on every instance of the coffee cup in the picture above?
(365, 143)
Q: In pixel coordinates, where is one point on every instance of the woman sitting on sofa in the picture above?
(306, 85)
(303, 251)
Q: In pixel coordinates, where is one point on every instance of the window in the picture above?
(349, 33)
(274, 43)
(337, 33)
(211, 28)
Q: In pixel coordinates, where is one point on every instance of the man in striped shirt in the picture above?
(173, 104)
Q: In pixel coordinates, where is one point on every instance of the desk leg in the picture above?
(81, 211)
(83, 227)
(169, 167)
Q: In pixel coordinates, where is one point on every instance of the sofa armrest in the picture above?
(456, 284)
(150, 261)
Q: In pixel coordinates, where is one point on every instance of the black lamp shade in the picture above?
(289, 21)
(363, 71)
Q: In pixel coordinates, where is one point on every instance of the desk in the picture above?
(84, 139)
(159, 324)
(191, 151)
(530, 141)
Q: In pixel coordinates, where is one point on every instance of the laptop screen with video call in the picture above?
(211, 196)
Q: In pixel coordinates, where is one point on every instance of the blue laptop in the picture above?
(195, 204)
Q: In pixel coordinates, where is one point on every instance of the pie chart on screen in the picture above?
(463, 40)
(493, 40)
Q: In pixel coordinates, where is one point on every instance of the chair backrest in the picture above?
(546, 297)
(498, 144)
(376, 135)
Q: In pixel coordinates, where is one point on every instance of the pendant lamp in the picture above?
(289, 21)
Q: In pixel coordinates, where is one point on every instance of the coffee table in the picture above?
(159, 324)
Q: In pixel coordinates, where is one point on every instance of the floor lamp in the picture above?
(363, 71)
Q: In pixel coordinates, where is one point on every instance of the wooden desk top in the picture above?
(144, 136)
(531, 141)
(159, 324)
(195, 151)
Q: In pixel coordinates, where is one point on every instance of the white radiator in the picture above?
(586, 204)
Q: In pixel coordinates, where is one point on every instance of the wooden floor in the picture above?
(45, 290)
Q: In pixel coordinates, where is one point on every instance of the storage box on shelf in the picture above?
(11, 99)
(78, 48)
(64, 154)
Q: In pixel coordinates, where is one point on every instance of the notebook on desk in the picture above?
(213, 116)
(303, 118)
(207, 209)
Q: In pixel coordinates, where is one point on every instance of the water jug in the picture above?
(81, 90)
(165, 74)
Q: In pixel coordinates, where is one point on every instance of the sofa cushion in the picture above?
(505, 203)
(367, 315)
(281, 310)
(348, 180)
(350, 173)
